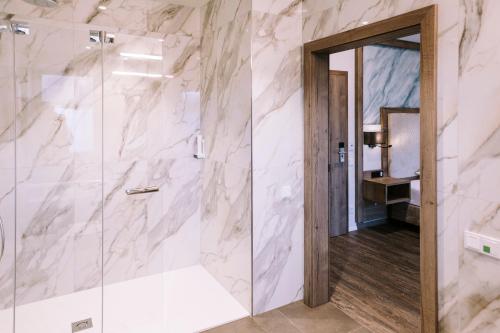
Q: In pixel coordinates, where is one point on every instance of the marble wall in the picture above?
(277, 153)
(391, 78)
(468, 149)
(226, 242)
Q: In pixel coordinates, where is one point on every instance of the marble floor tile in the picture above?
(325, 318)
(296, 318)
(245, 325)
(276, 322)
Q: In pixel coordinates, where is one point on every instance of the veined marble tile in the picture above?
(218, 13)
(278, 231)
(391, 78)
(479, 287)
(171, 18)
(226, 243)
(279, 7)
(227, 123)
(277, 157)
(479, 119)
(324, 17)
(63, 12)
(449, 252)
(276, 91)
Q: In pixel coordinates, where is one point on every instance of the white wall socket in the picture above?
(483, 244)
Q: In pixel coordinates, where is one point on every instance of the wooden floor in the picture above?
(374, 277)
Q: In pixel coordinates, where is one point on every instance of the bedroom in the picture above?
(374, 183)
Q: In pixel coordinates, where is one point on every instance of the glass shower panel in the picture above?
(59, 179)
(7, 177)
(134, 297)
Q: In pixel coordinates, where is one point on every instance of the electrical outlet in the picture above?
(482, 244)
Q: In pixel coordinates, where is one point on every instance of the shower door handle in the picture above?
(140, 190)
(2, 238)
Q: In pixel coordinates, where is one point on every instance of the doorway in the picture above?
(320, 152)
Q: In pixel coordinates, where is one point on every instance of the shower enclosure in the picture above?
(107, 221)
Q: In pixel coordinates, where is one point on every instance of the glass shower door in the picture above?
(135, 183)
(7, 178)
(58, 77)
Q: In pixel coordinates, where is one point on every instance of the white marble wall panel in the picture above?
(226, 124)
(479, 161)
(277, 154)
(391, 78)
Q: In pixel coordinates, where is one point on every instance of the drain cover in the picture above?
(81, 325)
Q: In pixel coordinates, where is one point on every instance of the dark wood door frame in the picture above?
(316, 67)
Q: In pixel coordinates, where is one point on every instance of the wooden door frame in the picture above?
(316, 69)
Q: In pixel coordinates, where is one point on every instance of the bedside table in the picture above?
(386, 190)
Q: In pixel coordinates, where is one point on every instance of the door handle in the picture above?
(140, 190)
(2, 238)
(341, 152)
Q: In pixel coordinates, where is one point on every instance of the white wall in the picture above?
(345, 61)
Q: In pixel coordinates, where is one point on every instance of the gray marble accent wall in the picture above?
(226, 245)
(277, 151)
(391, 78)
(468, 151)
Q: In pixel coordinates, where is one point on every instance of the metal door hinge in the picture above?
(21, 28)
(97, 36)
(81, 325)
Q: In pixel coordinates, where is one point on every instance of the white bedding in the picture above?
(415, 193)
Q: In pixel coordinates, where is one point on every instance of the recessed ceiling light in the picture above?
(102, 7)
(365, 22)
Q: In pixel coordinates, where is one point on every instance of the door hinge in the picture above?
(97, 36)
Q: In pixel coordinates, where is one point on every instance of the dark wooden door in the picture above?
(337, 118)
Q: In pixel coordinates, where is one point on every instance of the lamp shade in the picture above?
(372, 139)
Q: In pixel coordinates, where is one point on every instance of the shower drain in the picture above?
(81, 325)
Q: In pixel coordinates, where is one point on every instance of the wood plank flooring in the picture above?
(374, 277)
